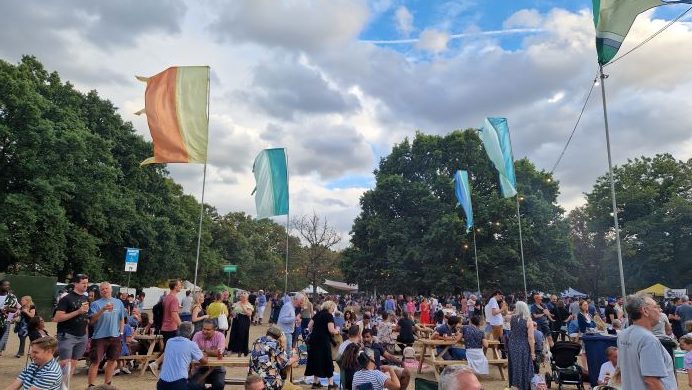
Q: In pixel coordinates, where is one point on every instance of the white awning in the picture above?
(341, 285)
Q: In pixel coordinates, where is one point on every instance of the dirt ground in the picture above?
(11, 366)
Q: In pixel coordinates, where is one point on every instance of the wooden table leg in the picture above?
(422, 357)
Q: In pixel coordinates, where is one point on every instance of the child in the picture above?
(686, 344)
(126, 338)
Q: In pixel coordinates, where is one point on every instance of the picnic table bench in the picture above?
(436, 360)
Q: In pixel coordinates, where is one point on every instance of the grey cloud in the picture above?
(286, 89)
(298, 25)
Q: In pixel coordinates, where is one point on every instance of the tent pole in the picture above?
(612, 185)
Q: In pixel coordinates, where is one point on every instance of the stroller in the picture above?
(564, 367)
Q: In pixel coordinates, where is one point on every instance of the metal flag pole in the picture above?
(199, 232)
(612, 183)
(204, 184)
(475, 253)
(521, 250)
(287, 224)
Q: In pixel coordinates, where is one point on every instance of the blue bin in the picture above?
(595, 346)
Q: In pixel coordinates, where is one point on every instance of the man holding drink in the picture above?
(107, 316)
(71, 316)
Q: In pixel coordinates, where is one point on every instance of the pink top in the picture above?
(170, 306)
(216, 342)
(410, 307)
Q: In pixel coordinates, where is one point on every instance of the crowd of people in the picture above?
(370, 338)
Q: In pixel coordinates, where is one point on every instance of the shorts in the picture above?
(544, 328)
(71, 347)
(108, 347)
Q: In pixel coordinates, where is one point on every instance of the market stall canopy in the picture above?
(341, 285)
(572, 293)
(657, 289)
(309, 290)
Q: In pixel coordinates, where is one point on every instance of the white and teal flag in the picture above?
(271, 178)
(495, 137)
(463, 192)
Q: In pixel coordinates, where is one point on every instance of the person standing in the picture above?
(8, 306)
(541, 316)
(684, 311)
(186, 307)
(171, 308)
(261, 306)
(287, 318)
(240, 329)
(322, 328)
(424, 312)
(521, 347)
(644, 362)
(107, 316)
(26, 313)
(72, 319)
(493, 314)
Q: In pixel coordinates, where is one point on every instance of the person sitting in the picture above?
(384, 331)
(459, 377)
(402, 373)
(608, 368)
(584, 318)
(406, 328)
(254, 382)
(475, 344)
(268, 358)
(37, 328)
(449, 332)
(44, 371)
(179, 353)
(368, 377)
(212, 343)
(353, 338)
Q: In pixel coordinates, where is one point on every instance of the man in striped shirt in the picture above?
(44, 371)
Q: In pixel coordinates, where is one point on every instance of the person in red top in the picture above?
(171, 309)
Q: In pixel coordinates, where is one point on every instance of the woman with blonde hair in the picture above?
(322, 329)
(521, 347)
(26, 313)
(240, 329)
(198, 315)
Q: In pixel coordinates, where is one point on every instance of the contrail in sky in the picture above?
(510, 31)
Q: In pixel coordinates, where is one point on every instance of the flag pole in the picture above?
(287, 223)
(612, 183)
(475, 253)
(521, 250)
(204, 184)
(199, 230)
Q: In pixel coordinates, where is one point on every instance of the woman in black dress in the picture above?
(240, 329)
(322, 328)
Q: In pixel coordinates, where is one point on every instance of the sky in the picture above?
(339, 82)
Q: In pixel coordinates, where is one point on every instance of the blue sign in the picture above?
(131, 259)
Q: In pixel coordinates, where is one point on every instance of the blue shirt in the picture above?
(261, 300)
(48, 376)
(108, 324)
(287, 318)
(389, 305)
(179, 353)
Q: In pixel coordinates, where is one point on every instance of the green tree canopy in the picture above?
(410, 233)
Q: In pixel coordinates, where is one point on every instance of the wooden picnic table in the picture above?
(228, 361)
(436, 359)
(150, 342)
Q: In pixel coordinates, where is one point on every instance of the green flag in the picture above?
(613, 20)
(271, 176)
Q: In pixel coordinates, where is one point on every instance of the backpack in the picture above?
(157, 312)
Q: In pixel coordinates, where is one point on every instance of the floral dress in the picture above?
(267, 359)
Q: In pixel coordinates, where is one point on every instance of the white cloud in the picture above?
(404, 21)
(433, 41)
(525, 18)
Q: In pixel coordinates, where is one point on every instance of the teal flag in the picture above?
(495, 137)
(271, 178)
(613, 20)
(463, 192)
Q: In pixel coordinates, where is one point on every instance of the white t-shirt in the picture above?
(186, 305)
(606, 368)
(374, 377)
(493, 319)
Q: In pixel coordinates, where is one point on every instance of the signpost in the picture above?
(131, 260)
(230, 268)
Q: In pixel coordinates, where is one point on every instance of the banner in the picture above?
(463, 192)
(495, 137)
(271, 177)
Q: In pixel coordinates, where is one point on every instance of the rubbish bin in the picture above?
(595, 346)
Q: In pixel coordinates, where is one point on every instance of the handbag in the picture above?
(223, 322)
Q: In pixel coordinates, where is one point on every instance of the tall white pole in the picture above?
(287, 224)
(475, 254)
(612, 184)
(521, 250)
(199, 230)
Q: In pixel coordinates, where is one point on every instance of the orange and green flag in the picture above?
(176, 103)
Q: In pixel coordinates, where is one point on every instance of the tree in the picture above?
(410, 233)
(319, 257)
(654, 197)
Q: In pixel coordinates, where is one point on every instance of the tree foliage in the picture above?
(73, 196)
(410, 234)
(654, 197)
